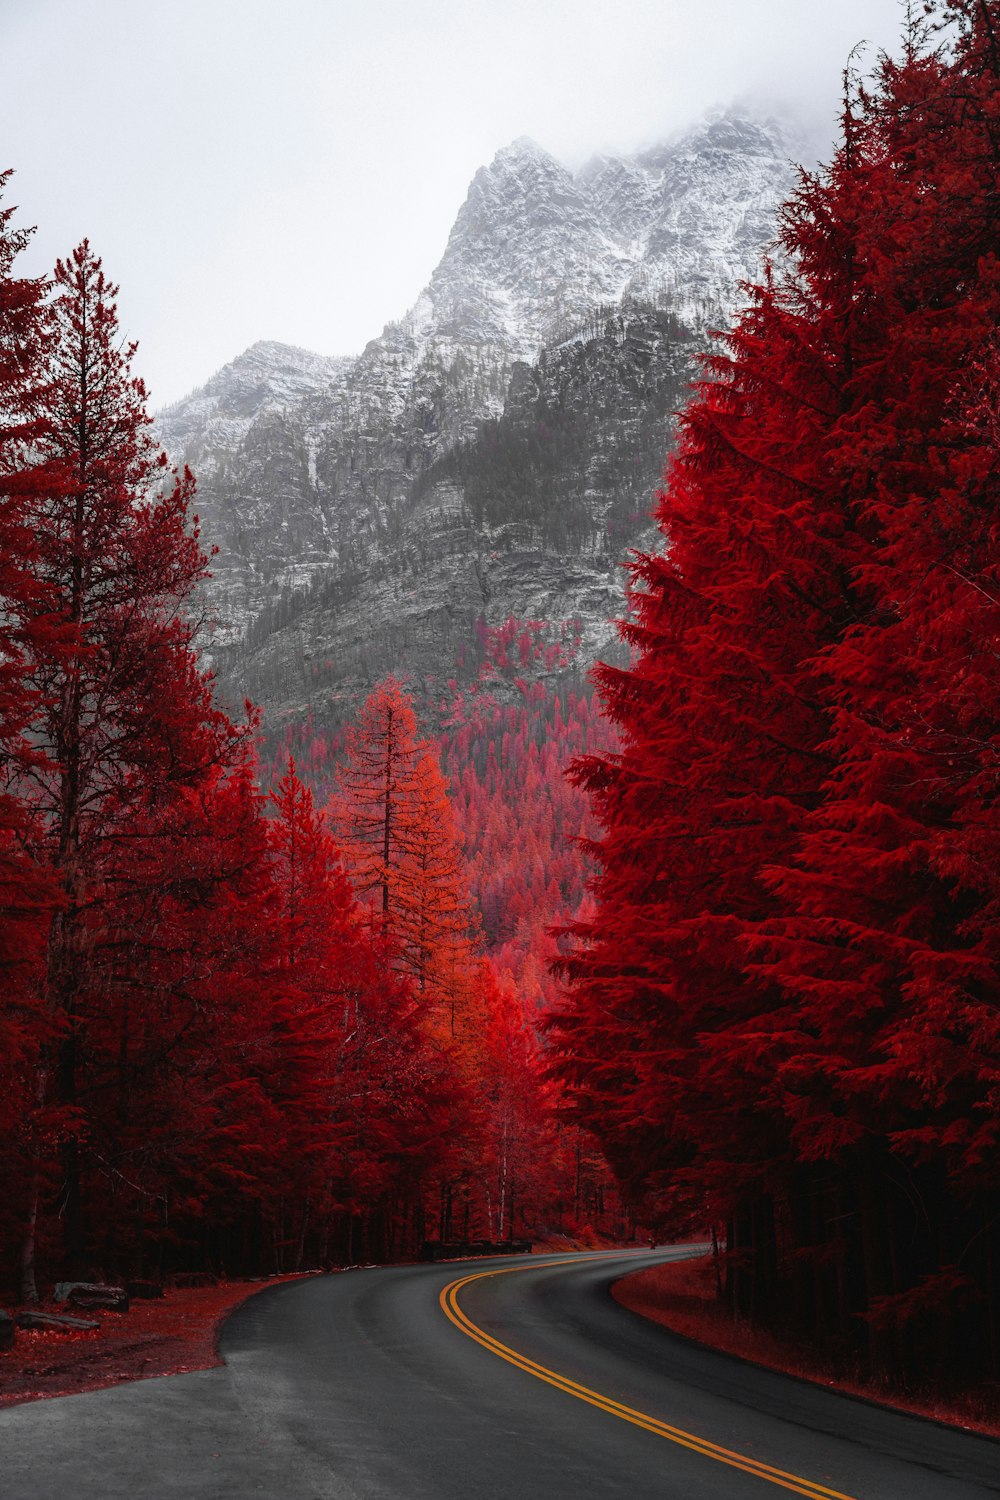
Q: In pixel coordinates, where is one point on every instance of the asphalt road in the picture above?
(527, 1380)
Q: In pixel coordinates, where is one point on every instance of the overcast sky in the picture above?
(249, 169)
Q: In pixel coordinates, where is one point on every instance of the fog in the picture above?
(247, 174)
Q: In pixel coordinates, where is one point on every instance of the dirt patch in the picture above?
(681, 1295)
(162, 1337)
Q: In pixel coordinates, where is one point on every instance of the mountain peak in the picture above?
(276, 349)
(313, 472)
(272, 354)
(524, 146)
(746, 125)
(523, 165)
(267, 376)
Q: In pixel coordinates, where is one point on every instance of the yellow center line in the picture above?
(450, 1305)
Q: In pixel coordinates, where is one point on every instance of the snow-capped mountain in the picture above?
(535, 247)
(209, 424)
(332, 474)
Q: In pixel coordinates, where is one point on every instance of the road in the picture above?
(479, 1380)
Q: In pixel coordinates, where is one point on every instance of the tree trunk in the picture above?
(29, 1286)
(873, 1259)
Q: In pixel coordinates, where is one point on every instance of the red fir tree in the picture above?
(120, 709)
(784, 1007)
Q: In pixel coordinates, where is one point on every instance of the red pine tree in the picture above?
(120, 708)
(26, 892)
(374, 804)
(785, 1006)
(395, 823)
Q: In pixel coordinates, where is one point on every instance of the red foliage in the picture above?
(785, 1008)
(506, 763)
(26, 893)
(209, 1056)
(394, 821)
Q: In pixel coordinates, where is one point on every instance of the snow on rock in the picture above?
(205, 426)
(343, 541)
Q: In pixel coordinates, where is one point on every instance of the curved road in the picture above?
(479, 1380)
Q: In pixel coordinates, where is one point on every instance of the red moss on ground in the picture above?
(681, 1295)
(161, 1337)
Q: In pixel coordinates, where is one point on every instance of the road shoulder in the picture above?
(680, 1295)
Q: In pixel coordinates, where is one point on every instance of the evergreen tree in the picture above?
(437, 924)
(393, 818)
(374, 805)
(26, 891)
(120, 711)
(784, 1007)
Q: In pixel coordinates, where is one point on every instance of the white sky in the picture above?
(290, 169)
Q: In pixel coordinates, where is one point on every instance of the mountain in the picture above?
(535, 248)
(494, 453)
(210, 424)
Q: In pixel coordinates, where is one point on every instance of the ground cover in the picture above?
(161, 1337)
(681, 1295)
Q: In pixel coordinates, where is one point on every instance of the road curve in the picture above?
(485, 1380)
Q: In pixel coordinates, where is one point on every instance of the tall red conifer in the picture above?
(26, 893)
(891, 945)
(314, 1005)
(373, 806)
(436, 923)
(120, 709)
(393, 819)
(785, 1006)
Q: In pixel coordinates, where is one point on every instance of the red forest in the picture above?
(784, 1009)
(238, 1030)
(264, 1014)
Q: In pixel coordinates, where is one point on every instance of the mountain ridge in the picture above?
(410, 483)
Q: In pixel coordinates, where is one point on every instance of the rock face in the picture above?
(528, 519)
(494, 453)
(209, 425)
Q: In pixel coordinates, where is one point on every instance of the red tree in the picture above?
(26, 892)
(377, 1106)
(785, 1008)
(120, 710)
(518, 1175)
(394, 820)
(376, 796)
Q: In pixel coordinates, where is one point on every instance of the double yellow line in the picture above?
(449, 1303)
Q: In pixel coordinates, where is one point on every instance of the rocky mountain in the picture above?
(527, 519)
(209, 425)
(494, 453)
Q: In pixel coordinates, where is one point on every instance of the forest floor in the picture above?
(163, 1337)
(681, 1295)
(167, 1336)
